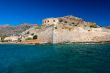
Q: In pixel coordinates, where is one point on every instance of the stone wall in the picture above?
(46, 35)
(69, 36)
(62, 35)
(76, 34)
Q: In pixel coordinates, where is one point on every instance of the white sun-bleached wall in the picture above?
(46, 35)
(81, 35)
(52, 35)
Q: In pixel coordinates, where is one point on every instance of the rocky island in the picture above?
(67, 29)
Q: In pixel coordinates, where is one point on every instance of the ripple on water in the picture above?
(59, 58)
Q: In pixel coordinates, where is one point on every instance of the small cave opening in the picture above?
(35, 37)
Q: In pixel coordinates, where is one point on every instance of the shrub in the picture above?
(2, 38)
(28, 39)
(60, 20)
(32, 33)
(55, 27)
(75, 25)
(93, 26)
(65, 21)
(28, 32)
(19, 40)
(37, 27)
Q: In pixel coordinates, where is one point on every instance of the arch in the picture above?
(35, 37)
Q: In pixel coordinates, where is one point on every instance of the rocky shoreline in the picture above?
(33, 43)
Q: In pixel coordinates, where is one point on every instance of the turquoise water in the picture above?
(62, 58)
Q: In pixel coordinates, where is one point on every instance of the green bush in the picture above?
(60, 20)
(2, 38)
(28, 39)
(19, 39)
(37, 27)
(28, 32)
(55, 27)
(32, 34)
(93, 26)
(66, 22)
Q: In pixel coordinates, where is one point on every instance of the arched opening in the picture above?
(44, 21)
(47, 20)
(35, 37)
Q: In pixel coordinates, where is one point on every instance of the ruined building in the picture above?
(67, 20)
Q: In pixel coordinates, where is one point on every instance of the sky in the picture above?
(15, 12)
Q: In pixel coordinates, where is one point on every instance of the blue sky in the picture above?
(16, 12)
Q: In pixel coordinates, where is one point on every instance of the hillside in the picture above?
(108, 27)
(7, 30)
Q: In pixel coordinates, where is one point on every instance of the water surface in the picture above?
(60, 58)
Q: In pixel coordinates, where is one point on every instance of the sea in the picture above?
(55, 58)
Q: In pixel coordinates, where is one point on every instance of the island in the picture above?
(67, 29)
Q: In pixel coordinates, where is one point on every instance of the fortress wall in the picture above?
(51, 35)
(46, 35)
(62, 35)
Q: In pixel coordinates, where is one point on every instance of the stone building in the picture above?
(68, 21)
(62, 20)
(51, 21)
(11, 38)
(0, 39)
